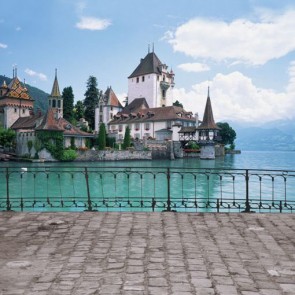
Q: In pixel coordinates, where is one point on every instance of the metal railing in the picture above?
(146, 189)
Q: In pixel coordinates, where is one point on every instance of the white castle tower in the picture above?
(151, 80)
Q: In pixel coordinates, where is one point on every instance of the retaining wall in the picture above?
(91, 155)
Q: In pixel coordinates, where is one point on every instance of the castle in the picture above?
(149, 112)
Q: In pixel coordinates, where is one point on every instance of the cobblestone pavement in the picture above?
(147, 253)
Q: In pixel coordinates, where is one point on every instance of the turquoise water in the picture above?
(246, 160)
(134, 185)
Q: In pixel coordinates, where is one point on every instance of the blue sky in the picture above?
(243, 49)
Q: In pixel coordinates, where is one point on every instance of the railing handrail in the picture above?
(191, 184)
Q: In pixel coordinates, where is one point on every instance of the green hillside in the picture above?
(40, 97)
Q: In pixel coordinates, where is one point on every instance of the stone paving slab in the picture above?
(147, 253)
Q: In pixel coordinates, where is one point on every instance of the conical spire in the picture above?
(55, 89)
(208, 119)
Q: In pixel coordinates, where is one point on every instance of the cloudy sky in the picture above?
(243, 49)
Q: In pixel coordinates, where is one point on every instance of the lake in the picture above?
(192, 184)
(281, 160)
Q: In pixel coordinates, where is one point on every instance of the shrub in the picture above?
(68, 155)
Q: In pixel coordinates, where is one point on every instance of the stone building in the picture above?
(15, 102)
(27, 127)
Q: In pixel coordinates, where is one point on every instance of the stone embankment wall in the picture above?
(91, 155)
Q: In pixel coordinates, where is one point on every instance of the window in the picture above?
(147, 126)
(24, 111)
(58, 104)
(15, 110)
(158, 78)
(111, 108)
(164, 93)
(100, 118)
(120, 128)
(137, 126)
(100, 108)
(111, 114)
(142, 78)
(54, 103)
(169, 124)
(137, 79)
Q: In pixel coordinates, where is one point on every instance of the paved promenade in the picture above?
(147, 253)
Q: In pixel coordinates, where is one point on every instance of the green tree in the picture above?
(7, 137)
(30, 145)
(91, 100)
(127, 138)
(37, 147)
(227, 133)
(177, 104)
(102, 137)
(68, 103)
(79, 110)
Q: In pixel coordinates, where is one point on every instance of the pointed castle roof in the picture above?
(15, 89)
(208, 119)
(55, 88)
(151, 64)
(111, 99)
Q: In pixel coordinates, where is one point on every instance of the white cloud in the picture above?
(194, 67)
(241, 40)
(234, 97)
(3, 45)
(32, 73)
(93, 24)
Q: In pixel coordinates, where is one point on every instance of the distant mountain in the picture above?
(274, 136)
(40, 97)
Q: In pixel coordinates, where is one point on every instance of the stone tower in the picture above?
(15, 101)
(208, 132)
(55, 100)
(151, 80)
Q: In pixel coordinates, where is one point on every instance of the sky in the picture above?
(244, 50)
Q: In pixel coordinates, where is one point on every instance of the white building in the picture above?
(108, 106)
(151, 80)
(149, 112)
(163, 123)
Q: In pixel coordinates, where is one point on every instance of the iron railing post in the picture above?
(8, 205)
(88, 190)
(247, 203)
(168, 191)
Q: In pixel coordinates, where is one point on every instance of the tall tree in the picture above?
(102, 136)
(91, 100)
(227, 133)
(68, 103)
(127, 138)
(79, 110)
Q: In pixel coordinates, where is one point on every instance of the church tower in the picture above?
(153, 81)
(55, 100)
